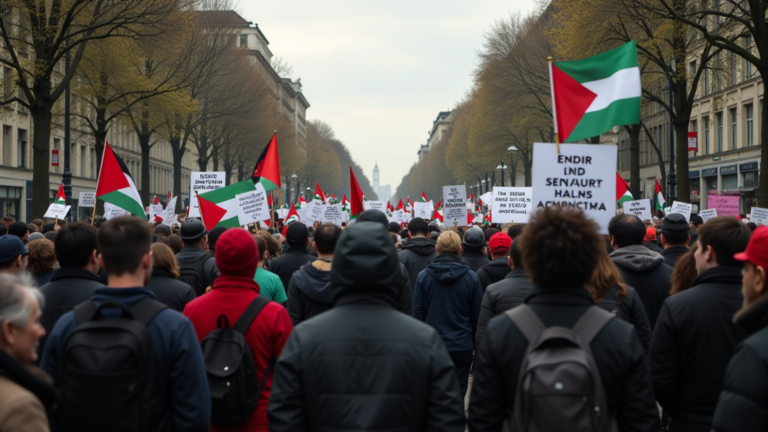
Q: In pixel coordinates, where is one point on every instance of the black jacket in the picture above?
(646, 272)
(309, 292)
(691, 346)
(289, 263)
(68, 288)
(474, 259)
(190, 255)
(653, 246)
(672, 254)
(502, 296)
(416, 255)
(631, 310)
(170, 291)
(493, 272)
(616, 349)
(363, 365)
(743, 403)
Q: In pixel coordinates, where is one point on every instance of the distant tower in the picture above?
(376, 178)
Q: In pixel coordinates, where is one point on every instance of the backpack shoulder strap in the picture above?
(84, 311)
(253, 309)
(590, 324)
(527, 322)
(146, 309)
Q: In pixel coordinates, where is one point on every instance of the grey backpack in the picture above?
(559, 385)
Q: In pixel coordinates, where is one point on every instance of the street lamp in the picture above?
(512, 165)
(481, 187)
(296, 185)
(501, 168)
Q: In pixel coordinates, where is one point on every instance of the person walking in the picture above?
(197, 268)
(42, 259)
(363, 365)
(26, 392)
(695, 335)
(419, 251)
(233, 293)
(743, 403)
(498, 268)
(559, 248)
(640, 268)
(174, 395)
(448, 297)
(297, 239)
(165, 283)
(674, 238)
(474, 253)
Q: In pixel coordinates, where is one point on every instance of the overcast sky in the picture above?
(379, 71)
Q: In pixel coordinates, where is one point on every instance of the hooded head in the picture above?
(365, 263)
(237, 253)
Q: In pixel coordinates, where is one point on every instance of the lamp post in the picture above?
(66, 177)
(482, 184)
(672, 177)
(501, 168)
(512, 165)
(290, 189)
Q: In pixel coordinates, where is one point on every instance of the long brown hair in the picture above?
(272, 245)
(163, 258)
(685, 271)
(606, 275)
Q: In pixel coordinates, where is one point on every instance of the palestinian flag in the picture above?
(332, 199)
(302, 203)
(356, 196)
(592, 95)
(267, 170)
(345, 203)
(408, 205)
(400, 205)
(423, 197)
(292, 215)
(115, 184)
(659, 197)
(622, 190)
(470, 218)
(487, 220)
(156, 201)
(389, 209)
(60, 197)
(437, 212)
(319, 195)
(219, 207)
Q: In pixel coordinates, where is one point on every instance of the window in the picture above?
(706, 81)
(21, 158)
(734, 127)
(747, 65)
(719, 119)
(749, 124)
(706, 134)
(57, 146)
(7, 146)
(718, 72)
(244, 40)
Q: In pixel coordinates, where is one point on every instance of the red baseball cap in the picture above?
(500, 243)
(757, 249)
(650, 234)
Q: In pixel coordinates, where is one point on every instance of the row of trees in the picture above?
(510, 104)
(170, 69)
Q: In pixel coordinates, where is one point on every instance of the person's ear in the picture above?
(663, 240)
(94, 258)
(760, 281)
(709, 254)
(146, 261)
(101, 263)
(6, 333)
(614, 246)
(510, 262)
(314, 246)
(20, 261)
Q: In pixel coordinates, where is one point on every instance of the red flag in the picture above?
(356, 196)
(111, 175)
(470, 218)
(435, 214)
(424, 197)
(320, 195)
(292, 215)
(210, 212)
(156, 200)
(400, 204)
(267, 170)
(158, 219)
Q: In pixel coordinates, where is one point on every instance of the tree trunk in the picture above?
(681, 162)
(41, 120)
(527, 166)
(240, 172)
(634, 160)
(178, 155)
(144, 144)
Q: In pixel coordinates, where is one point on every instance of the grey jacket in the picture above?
(645, 271)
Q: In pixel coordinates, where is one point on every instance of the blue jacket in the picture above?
(448, 297)
(181, 379)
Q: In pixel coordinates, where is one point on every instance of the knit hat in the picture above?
(650, 234)
(237, 253)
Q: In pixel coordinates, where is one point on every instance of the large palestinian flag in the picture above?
(219, 207)
(267, 170)
(658, 197)
(592, 95)
(115, 184)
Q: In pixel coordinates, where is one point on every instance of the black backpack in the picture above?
(559, 386)
(231, 372)
(193, 274)
(107, 370)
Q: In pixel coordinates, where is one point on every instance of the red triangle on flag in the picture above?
(470, 219)
(210, 212)
(571, 101)
(621, 187)
(60, 196)
(355, 196)
(268, 166)
(111, 176)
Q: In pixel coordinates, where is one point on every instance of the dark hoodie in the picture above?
(645, 271)
(493, 272)
(448, 297)
(416, 255)
(361, 357)
(309, 292)
(474, 259)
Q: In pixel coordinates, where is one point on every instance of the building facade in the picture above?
(439, 129)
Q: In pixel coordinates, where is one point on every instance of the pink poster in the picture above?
(726, 205)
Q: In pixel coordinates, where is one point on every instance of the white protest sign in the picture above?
(708, 214)
(86, 199)
(454, 205)
(423, 210)
(203, 182)
(252, 206)
(282, 213)
(314, 212)
(486, 197)
(512, 204)
(169, 212)
(334, 214)
(400, 216)
(376, 205)
(683, 209)
(302, 214)
(759, 216)
(156, 209)
(640, 208)
(112, 211)
(581, 176)
(57, 211)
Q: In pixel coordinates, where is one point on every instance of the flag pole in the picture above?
(554, 109)
(272, 212)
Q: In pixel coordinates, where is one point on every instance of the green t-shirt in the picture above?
(271, 285)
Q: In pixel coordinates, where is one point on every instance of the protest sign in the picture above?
(376, 205)
(281, 213)
(57, 211)
(759, 216)
(252, 206)
(334, 214)
(170, 212)
(423, 210)
(726, 205)
(454, 205)
(580, 175)
(314, 212)
(511, 204)
(640, 208)
(155, 209)
(486, 197)
(302, 214)
(86, 199)
(203, 182)
(400, 216)
(683, 209)
(112, 211)
(708, 214)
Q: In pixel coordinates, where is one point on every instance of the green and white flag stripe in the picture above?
(127, 199)
(226, 198)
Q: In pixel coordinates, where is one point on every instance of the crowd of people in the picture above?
(120, 325)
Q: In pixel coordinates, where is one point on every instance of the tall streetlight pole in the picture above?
(512, 166)
(290, 189)
(66, 178)
(501, 168)
(672, 177)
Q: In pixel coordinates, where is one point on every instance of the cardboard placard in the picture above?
(640, 208)
(252, 206)
(511, 204)
(581, 176)
(759, 216)
(314, 212)
(334, 214)
(170, 212)
(682, 208)
(454, 205)
(376, 205)
(57, 211)
(423, 210)
(203, 182)
(112, 211)
(708, 214)
(86, 199)
(726, 205)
